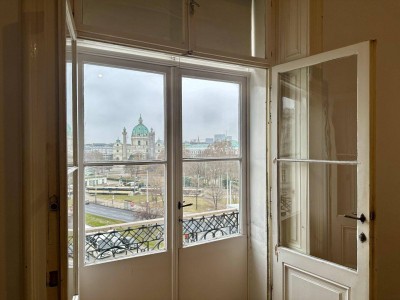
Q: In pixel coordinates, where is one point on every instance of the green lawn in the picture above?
(96, 221)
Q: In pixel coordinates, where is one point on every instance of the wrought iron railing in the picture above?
(202, 227)
(119, 240)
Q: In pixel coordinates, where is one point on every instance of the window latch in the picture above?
(180, 204)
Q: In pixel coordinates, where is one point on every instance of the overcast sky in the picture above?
(114, 98)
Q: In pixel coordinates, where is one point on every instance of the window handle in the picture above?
(180, 204)
(362, 217)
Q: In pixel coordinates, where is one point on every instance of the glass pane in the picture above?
(210, 118)
(70, 238)
(230, 26)
(318, 111)
(70, 121)
(124, 114)
(314, 199)
(160, 20)
(124, 211)
(213, 188)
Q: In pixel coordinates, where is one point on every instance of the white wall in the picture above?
(10, 151)
(348, 22)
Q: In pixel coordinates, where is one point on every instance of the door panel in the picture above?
(216, 270)
(320, 175)
(301, 285)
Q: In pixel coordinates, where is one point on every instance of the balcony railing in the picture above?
(110, 242)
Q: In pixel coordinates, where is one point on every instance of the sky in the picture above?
(115, 98)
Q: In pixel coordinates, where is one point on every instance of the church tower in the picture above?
(124, 146)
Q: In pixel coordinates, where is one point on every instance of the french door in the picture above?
(321, 178)
(162, 178)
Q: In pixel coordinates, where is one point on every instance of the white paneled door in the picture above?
(321, 178)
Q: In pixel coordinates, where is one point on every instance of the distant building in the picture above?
(103, 150)
(143, 144)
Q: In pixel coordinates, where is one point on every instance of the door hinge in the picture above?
(276, 252)
(54, 204)
(53, 278)
(372, 216)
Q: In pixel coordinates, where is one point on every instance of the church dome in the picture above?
(140, 129)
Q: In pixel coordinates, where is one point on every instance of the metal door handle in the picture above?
(362, 218)
(180, 204)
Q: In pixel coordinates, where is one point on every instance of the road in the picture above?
(111, 213)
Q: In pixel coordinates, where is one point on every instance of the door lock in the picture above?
(362, 237)
(180, 204)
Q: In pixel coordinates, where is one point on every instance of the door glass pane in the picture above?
(156, 20)
(210, 118)
(213, 189)
(124, 211)
(71, 243)
(313, 202)
(124, 114)
(318, 111)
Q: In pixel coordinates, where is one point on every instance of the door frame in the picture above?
(365, 179)
(173, 69)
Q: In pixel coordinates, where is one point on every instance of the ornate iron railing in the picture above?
(129, 239)
(205, 228)
(123, 241)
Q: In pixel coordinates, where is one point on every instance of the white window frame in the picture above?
(187, 72)
(172, 67)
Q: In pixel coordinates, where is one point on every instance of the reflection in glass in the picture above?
(124, 114)
(213, 188)
(318, 111)
(124, 211)
(210, 118)
(313, 199)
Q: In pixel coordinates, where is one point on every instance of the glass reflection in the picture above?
(314, 199)
(318, 111)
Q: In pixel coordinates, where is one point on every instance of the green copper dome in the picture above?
(140, 129)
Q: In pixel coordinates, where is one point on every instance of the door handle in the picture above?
(362, 217)
(180, 204)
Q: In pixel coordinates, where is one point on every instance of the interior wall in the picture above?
(347, 22)
(10, 151)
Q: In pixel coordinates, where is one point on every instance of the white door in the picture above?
(321, 175)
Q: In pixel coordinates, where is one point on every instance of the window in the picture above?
(212, 151)
(125, 114)
(126, 195)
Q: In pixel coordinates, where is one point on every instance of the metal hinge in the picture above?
(270, 202)
(276, 252)
(192, 4)
(54, 203)
(372, 216)
(53, 279)
(269, 104)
